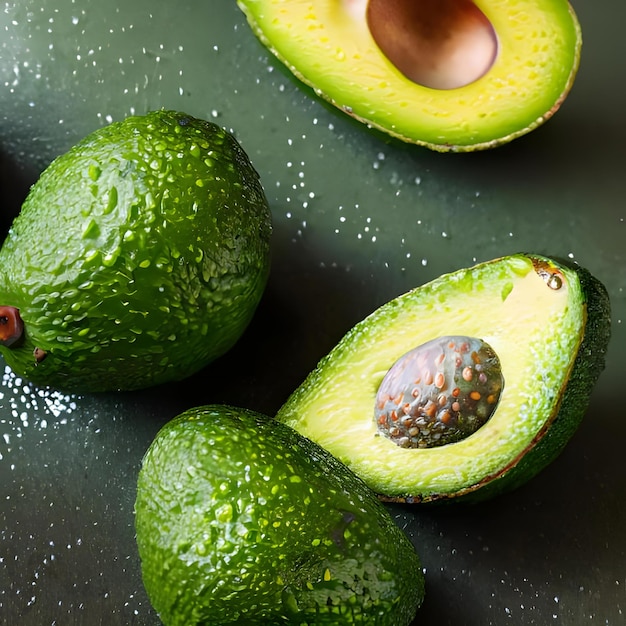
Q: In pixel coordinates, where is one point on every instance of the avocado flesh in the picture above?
(550, 342)
(241, 520)
(138, 257)
(329, 46)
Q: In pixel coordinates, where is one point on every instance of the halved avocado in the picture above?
(464, 387)
(451, 75)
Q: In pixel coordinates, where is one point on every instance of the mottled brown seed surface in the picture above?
(439, 393)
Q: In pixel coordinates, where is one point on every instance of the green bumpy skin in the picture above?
(328, 45)
(240, 520)
(139, 256)
(549, 324)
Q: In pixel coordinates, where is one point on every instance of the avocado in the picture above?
(241, 520)
(138, 257)
(451, 75)
(464, 387)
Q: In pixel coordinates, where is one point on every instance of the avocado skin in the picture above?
(241, 520)
(587, 367)
(138, 257)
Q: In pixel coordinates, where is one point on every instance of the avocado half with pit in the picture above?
(464, 387)
(451, 75)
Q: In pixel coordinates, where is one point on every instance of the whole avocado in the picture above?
(241, 520)
(138, 257)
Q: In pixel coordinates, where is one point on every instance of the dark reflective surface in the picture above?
(358, 219)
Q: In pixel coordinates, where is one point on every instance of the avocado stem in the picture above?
(11, 326)
(441, 44)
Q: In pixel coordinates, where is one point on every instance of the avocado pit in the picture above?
(441, 44)
(439, 392)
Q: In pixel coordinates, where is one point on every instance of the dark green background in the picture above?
(358, 219)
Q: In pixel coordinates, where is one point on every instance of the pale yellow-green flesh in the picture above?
(328, 45)
(535, 331)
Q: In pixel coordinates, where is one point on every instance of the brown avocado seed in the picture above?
(441, 44)
(11, 326)
(439, 393)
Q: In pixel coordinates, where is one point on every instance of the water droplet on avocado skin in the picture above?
(94, 172)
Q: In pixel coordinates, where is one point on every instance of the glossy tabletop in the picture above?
(358, 219)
